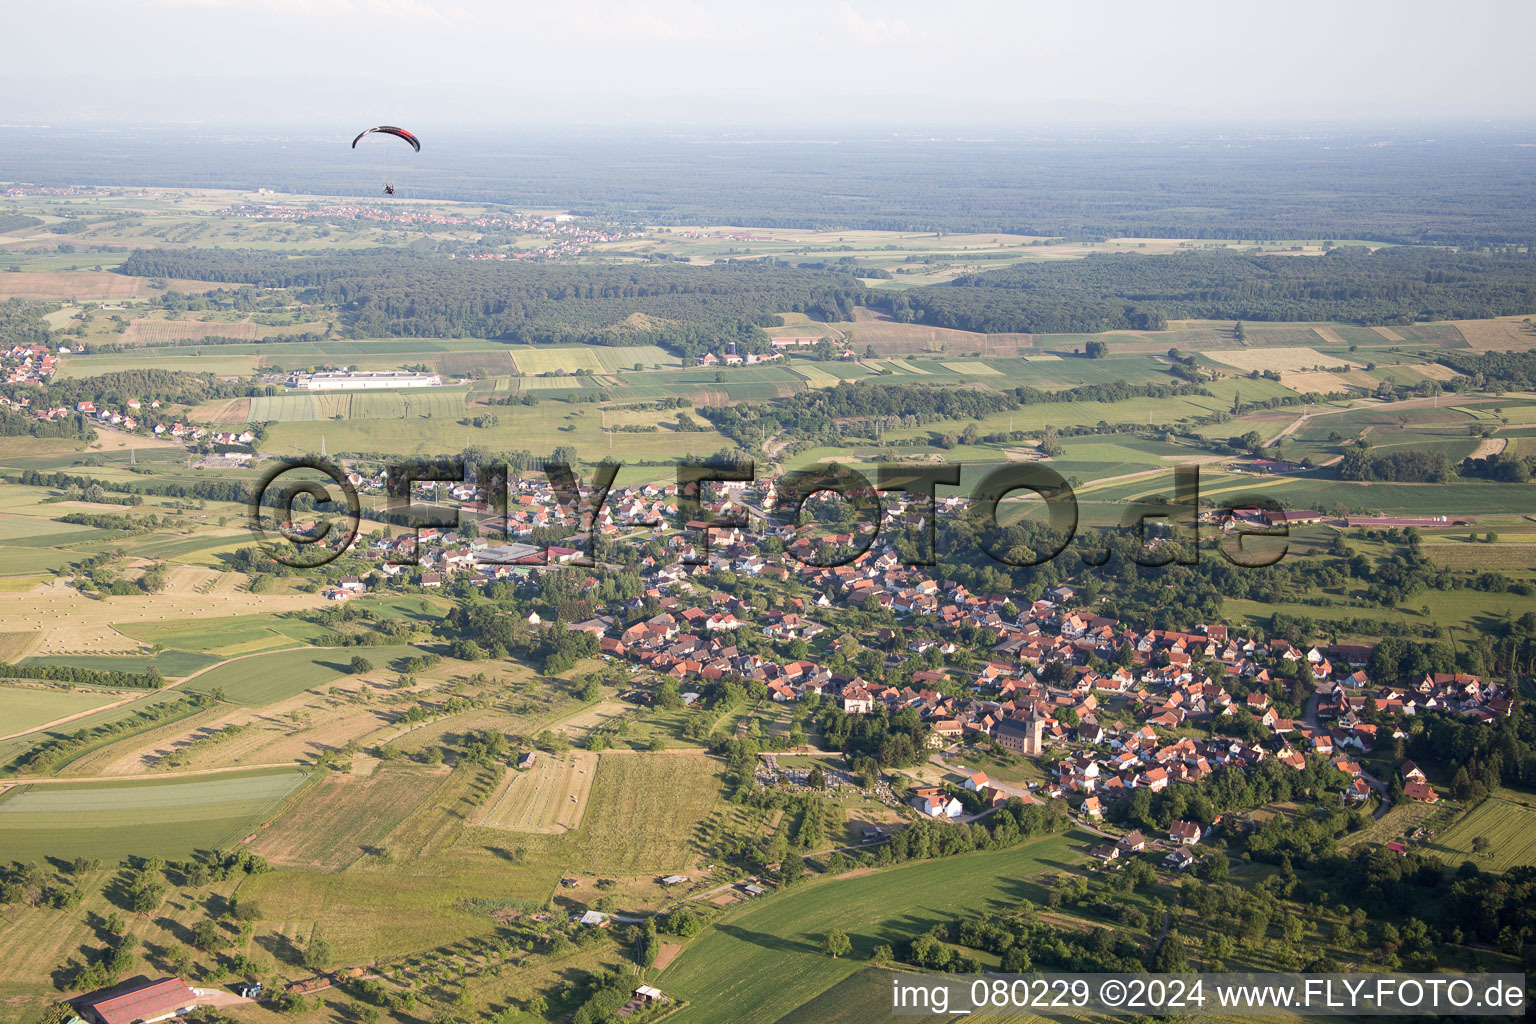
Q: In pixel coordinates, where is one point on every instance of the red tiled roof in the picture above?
(153, 1000)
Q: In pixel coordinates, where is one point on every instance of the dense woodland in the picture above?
(1512, 369)
(1396, 284)
(383, 292)
(10, 221)
(22, 323)
(688, 309)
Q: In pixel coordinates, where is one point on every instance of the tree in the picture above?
(1171, 954)
(836, 944)
(360, 664)
(1096, 350)
(1482, 846)
(318, 954)
(207, 936)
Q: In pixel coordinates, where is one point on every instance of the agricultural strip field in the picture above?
(816, 377)
(550, 797)
(226, 637)
(267, 678)
(533, 360)
(537, 429)
(24, 707)
(343, 816)
(760, 964)
(170, 664)
(1509, 826)
(161, 332)
(972, 366)
(642, 811)
(168, 818)
(189, 360)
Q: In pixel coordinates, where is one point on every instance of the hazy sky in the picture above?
(586, 61)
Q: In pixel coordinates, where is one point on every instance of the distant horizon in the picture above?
(1062, 127)
(606, 62)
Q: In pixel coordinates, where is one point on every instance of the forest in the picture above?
(381, 292)
(22, 323)
(689, 309)
(1392, 285)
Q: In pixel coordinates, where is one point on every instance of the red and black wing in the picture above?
(389, 129)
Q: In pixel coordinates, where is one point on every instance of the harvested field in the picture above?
(1303, 381)
(1438, 371)
(1329, 335)
(1389, 334)
(892, 338)
(69, 284)
(343, 816)
(153, 332)
(16, 645)
(594, 717)
(82, 639)
(550, 797)
(230, 413)
(462, 364)
(1499, 335)
(642, 812)
(1282, 358)
(973, 366)
(1489, 446)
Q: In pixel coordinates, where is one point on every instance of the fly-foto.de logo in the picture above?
(306, 512)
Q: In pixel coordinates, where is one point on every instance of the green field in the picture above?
(642, 812)
(229, 636)
(27, 708)
(537, 429)
(1508, 825)
(267, 678)
(537, 359)
(760, 963)
(165, 817)
(171, 664)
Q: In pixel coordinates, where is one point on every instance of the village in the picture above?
(1105, 707)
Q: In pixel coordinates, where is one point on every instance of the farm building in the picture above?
(1387, 522)
(142, 1004)
(363, 380)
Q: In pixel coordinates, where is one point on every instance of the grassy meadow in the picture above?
(168, 818)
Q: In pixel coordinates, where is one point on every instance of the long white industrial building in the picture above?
(350, 380)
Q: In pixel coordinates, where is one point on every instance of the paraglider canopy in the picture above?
(386, 129)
